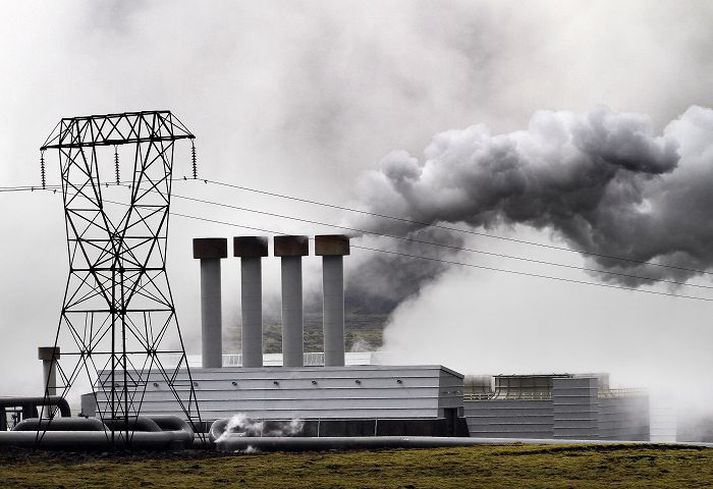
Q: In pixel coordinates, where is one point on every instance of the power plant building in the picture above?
(566, 406)
(333, 396)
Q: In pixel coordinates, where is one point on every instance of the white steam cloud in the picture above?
(241, 425)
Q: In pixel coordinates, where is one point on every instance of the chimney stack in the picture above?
(332, 248)
(251, 249)
(291, 249)
(49, 356)
(210, 251)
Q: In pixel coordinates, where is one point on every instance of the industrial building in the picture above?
(554, 406)
(333, 398)
(118, 325)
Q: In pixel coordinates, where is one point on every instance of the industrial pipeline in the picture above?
(91, 434)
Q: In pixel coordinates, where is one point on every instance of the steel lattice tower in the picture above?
(118, 325)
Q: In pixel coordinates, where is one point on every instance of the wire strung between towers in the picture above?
(446, 246)
(421, 241)
(457, 263)
(450, 228)
(409, 221)
(447, 262)
(55, 187)
(436, 244)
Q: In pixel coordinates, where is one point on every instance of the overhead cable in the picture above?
(444, 245)
(457, 263)
(451, 228)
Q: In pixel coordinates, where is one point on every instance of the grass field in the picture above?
(472, 467)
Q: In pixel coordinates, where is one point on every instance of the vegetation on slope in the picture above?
(361, 332)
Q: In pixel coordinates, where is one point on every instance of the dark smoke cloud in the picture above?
(384, 280)
(604, 182)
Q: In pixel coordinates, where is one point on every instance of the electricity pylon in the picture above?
(118, 325)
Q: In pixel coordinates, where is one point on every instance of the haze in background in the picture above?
(304, 98)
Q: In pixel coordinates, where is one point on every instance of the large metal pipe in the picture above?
(82, 441)
(332, 248)
(210, 251)
(80, 434)
(234, 442)
(49, 356)
(291, 249)
(251, 249)
(32, 405)
(60, 424)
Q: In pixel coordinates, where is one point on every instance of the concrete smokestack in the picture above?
(210, 251)
(49, 356)
(332, 248)
(251, 249)
(292, 249)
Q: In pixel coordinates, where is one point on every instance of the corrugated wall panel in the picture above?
(509, 419)
(575, 403)
(624, 418)
(373, 392)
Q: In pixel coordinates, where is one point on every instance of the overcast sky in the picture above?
(304, 97)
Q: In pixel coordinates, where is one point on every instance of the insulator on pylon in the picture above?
(116, 164)
(42, 169)
(194, 161)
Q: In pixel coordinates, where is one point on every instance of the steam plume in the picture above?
(604, 182)
(242, 425)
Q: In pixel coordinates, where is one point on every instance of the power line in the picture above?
(451, 262)
(443, 245)
(28, 188)
(451, 228)
(528, 274)
(441, 226)
(425, 242)
(54, 187)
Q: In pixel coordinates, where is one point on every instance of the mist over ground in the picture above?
(307, 97)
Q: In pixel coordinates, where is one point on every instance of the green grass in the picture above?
(472, 467)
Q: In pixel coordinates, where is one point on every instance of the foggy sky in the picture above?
(305, 98)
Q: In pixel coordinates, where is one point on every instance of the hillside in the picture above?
(362, 332)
